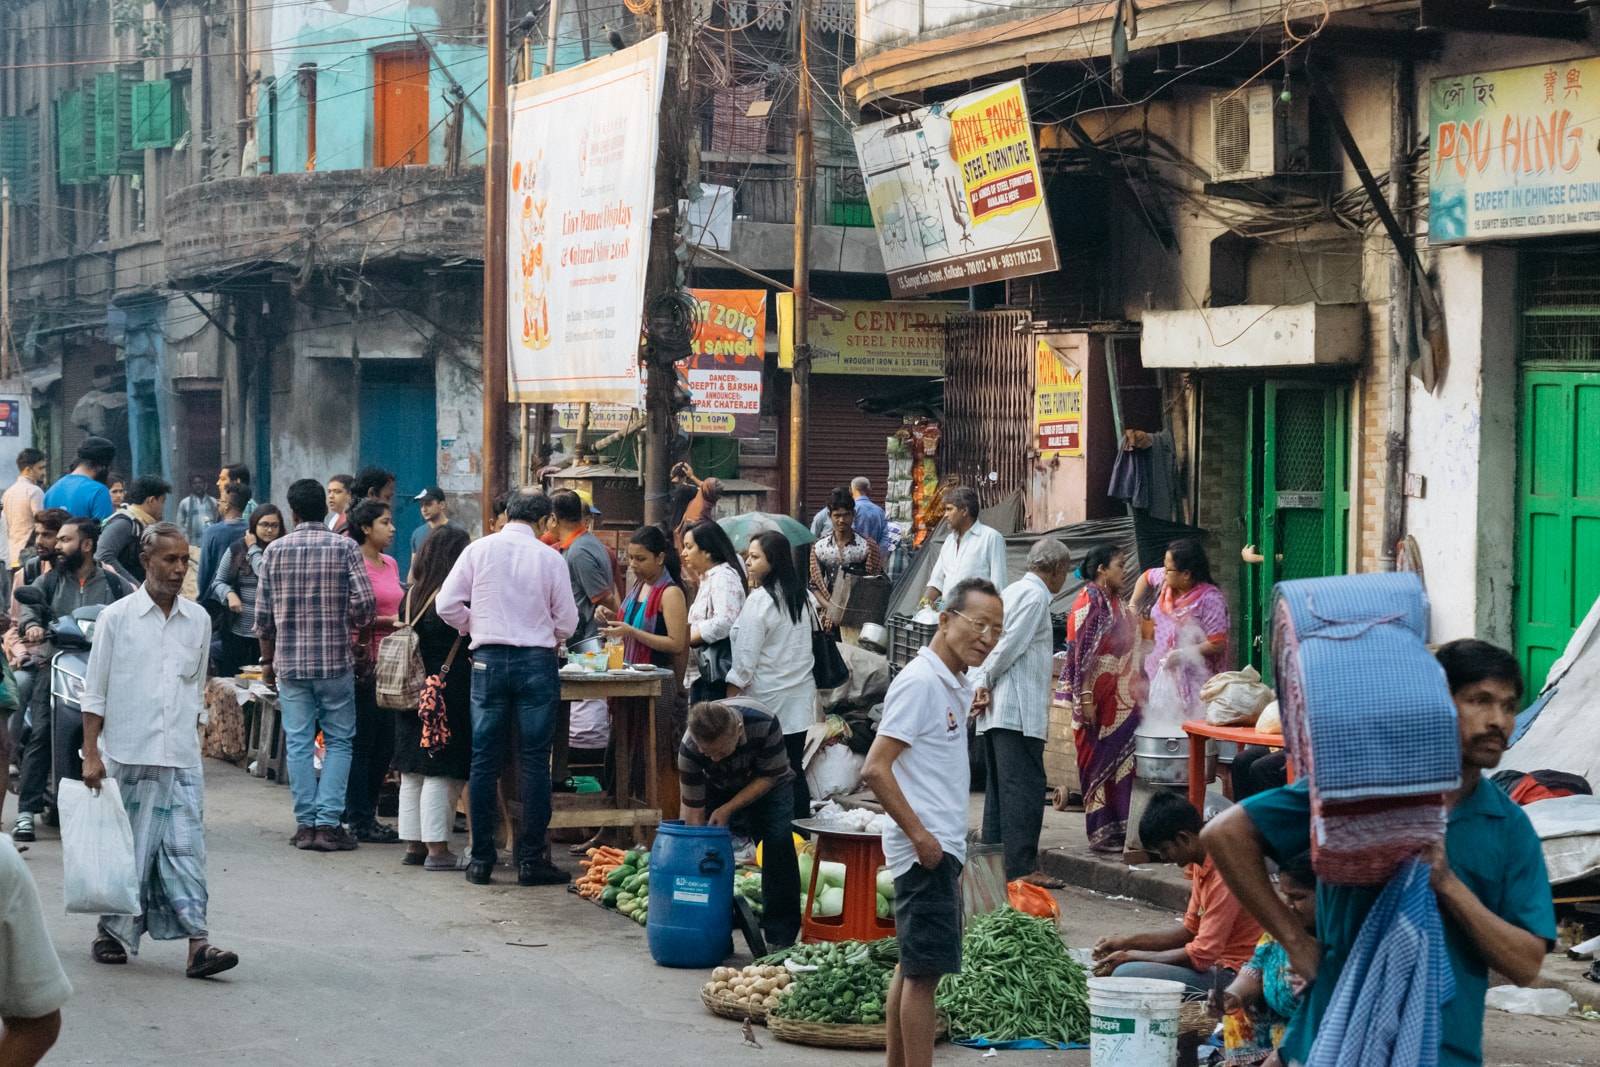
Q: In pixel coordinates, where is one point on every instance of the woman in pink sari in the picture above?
(1191, 621)
(1103, 684)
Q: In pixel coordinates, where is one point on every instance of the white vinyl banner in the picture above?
(582, 184)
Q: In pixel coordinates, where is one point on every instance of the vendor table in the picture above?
(1199, 728)
(634, 698)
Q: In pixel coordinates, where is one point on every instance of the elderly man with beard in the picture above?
(1489, 873)
(76, 581)
(142, 704)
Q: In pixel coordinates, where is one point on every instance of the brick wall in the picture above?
(1369, 479)
(346, 217)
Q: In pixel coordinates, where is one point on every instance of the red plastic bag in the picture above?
(1033, 900)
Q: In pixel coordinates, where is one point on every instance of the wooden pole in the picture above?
(804, 179)
(495, 350)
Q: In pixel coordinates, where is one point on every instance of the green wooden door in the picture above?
(1558, 513)
(1297, 500)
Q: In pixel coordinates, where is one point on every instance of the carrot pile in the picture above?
(597, 868)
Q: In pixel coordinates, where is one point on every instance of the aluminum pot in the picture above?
(1225, 750)
(587, 645)
(1165, 760)
(874, 638)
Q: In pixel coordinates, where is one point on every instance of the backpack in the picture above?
(399, 673)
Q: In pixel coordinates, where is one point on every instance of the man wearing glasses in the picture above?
(918, 770)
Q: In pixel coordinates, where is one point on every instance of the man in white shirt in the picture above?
(510, 593)
(1013, 704)
(33, 987)
(22, 501)
(142, 706)
(972, 550)
(918, 770)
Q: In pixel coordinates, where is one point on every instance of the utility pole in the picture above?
(661, 277)
(5, 277)
(804, 178)
(495, 398)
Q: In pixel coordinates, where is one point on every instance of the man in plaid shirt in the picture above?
(313, 592)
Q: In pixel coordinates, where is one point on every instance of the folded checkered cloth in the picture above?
(1387, 1005)
(1365, 707)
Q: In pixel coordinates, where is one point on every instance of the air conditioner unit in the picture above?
(1254, 134)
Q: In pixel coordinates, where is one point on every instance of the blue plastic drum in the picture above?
(691, 895)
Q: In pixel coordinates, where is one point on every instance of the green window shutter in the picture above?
(152, 114)
(19, 154)
(113, 126)
(73, 165)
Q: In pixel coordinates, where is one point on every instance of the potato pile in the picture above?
(755, 987)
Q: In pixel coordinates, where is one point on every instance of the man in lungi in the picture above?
(142, 705)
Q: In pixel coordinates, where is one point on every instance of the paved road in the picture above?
(352, 959)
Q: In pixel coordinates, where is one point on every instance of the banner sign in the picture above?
(582, 168)
(1512, 153)
(872, 336)
(956, 193)
(724, 371)
(1057, 404)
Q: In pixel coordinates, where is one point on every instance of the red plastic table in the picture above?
(1243, 735)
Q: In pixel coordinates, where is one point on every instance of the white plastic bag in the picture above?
(97, 868)
(834, 771)
(1519, 1001)
(1270, 721)
(1235, 698)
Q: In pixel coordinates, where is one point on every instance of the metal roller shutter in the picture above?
(843, 441)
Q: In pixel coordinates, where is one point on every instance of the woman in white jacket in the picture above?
(709, 557)
(772, 649)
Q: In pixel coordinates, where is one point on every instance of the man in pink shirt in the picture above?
(1217, 936)
(510, 593)
(22, 501)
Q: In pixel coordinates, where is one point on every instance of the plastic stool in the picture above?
(862, 856)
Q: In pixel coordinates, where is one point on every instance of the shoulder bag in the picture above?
(828, 668)
(430, 705)
(399, 670)
(714, 659)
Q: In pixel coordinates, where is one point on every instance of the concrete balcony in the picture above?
(223, 229)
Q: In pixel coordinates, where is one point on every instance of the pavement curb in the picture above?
(1113, 878)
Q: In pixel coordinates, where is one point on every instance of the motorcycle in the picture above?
(71, 636)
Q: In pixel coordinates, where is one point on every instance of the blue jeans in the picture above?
(512, 682)
(328, 704)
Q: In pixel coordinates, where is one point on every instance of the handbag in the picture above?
(828, 668)
(714, 660)
(430, 705)
(399, 670)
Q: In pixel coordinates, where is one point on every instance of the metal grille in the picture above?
(1300, 534)
(1299, 464)
(988, 402)
(1560, 306)
(1230, 122)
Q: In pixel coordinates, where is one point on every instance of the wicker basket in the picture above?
(830, 1035)
(1194, 1017)
(729, 1008)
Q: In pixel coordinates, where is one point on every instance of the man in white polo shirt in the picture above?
(918, 770)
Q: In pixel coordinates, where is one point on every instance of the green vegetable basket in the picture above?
(833, 1035)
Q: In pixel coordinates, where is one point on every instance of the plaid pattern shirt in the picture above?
(313, 591)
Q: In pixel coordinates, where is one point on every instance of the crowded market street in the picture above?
(368, 962)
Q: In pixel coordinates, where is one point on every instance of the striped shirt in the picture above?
(1018, 670)
(243, 581)
(313, 590)
(761, 754)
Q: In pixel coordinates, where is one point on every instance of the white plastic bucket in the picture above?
(1133, 1022)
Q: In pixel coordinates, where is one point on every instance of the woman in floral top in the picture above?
(1263, 998)
(843, 551)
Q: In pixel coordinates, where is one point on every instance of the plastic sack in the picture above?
(1235, 698)
(1521, 1001)
(97, 866)
(1033, 900)
(1270, 722)
(834, 771)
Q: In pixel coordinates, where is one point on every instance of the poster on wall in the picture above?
(1057, 404)
(871, 336)
(724, 368)
(1512, 152)
(582, 179)
(956, 192)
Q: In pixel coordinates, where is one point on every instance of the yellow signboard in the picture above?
(992, 142)
(904, 337)
(1057, 404)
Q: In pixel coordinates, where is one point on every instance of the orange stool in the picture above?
(862, 856)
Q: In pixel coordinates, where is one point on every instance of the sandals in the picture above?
(453, 863)
(211, 960)
(414, 859)
(1044, 881)
(108, 950)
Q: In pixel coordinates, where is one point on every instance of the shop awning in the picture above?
(1254, 337)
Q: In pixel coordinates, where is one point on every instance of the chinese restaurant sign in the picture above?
(956, 193)
(1057, 404)
(582, 168)
(872, 336)
(1514, 152)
